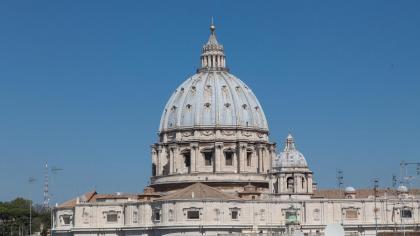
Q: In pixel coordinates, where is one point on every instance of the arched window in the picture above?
(154, 169)
(303, 182)
(166, 167)
(248, 158)
(290, 184)
(187, 158)
(208, 158)
(229, 158)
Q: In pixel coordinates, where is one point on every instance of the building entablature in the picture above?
(246, 135)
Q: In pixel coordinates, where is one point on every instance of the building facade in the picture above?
(215, 172)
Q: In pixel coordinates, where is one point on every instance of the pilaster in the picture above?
(218, 156)
(242, 156)
(194, 156)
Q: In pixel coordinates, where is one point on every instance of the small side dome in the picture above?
(402, 189)
(290, 156)
(350, 190)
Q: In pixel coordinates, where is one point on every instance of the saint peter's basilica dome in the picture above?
(213, 98)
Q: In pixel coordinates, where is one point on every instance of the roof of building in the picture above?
(87, 197)
(113, 196)
(360, 193)
(199, 191)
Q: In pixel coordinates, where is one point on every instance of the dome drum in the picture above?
(240, 161)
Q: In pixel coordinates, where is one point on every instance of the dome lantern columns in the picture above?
(212, 55)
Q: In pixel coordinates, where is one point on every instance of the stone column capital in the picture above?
(243, 145)
(261, 146)
(194, 145)
(173, 146)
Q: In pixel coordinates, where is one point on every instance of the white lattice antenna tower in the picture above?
(405, 178)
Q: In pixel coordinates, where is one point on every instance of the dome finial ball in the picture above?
(212, 27)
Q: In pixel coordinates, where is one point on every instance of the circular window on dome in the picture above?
(244, 106)
(227, 105)
(188, 106)
(207, 104)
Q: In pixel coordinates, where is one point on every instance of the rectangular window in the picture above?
(187, 159)
(291, 217)
(405, 213)
(229, 158)
(208, 158)
(351, 214)
(235, 214)
(248, 158)
(111, 217)
(193, 215)
(156, 214)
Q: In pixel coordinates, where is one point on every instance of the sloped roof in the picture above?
(114, 196)
(199, 191)
(87, 197)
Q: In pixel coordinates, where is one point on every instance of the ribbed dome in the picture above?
(290, 156)
(213, 99)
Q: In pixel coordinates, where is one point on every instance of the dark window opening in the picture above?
(154, 169)
(157, 215)
(208, 158)
(248, 158)
(66, 219)
(165, 169)
(112, 217)
(187, 159)
(303, 182)
(193, 215)
(235, 214)
(229, 158)
(405, 213)
(290, 184)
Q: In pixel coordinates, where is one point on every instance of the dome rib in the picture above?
(232, 99)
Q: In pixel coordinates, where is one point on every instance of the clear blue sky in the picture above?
(83, 84)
